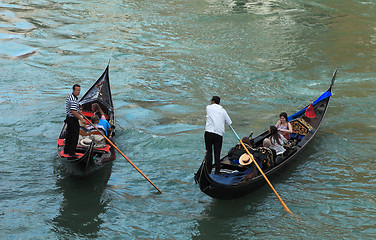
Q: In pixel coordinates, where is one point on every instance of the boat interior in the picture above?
(100, 144)
(302, 130)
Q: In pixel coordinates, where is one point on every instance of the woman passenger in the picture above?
(283, 126)
(277, 141)
(96, 108)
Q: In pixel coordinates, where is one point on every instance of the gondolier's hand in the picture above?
(83, 121)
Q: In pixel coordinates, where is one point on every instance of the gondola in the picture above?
(93, 152)
(231, 183)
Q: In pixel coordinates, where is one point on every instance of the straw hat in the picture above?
(245, 159)
(85, 142)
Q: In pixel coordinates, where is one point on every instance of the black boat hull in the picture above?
(88, 164)
(228, 192)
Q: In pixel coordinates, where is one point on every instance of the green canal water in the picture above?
(167, 59)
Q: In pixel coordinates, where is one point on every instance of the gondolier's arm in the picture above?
(78, 116)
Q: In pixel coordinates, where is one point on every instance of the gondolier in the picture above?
(73, 127)
(216, 118)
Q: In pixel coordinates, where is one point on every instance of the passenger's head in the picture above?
(95, 107)
(98, 114)
(94, 119)
(246, 140)
(216, 99)
(273, 130)
(283, 117)
(274, 135)
(266, 143)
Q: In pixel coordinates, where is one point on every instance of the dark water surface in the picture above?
(168, 59)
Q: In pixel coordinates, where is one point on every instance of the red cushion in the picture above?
(66, 155)
(61, 142)
(90, 114)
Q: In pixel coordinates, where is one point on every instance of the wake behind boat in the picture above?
(236, 180)
(93, 152)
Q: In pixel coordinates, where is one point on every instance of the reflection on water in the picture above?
(239, 217)
(82, 206)
(216, 221)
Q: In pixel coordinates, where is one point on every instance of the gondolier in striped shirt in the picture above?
(216, 118)
(73, 126)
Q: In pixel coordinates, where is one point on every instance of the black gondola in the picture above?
(305, 128)
(93, 155)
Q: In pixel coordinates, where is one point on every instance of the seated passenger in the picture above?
(252, 171)
(96, 108)
(104, 123)
(277, 141)
(266, 144)
(283, 125)
(238, 150)
(82, 124)
(95, 121)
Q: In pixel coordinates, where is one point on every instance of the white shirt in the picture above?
(277, 147)
(216, 118)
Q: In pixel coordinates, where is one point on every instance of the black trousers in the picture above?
(213, 140)
(71, 139)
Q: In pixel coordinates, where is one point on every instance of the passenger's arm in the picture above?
(289, 130)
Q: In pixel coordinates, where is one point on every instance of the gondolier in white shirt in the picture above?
(73, 126)
(216, 118)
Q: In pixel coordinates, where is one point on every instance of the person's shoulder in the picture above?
(217, 106)
(211, 107)
(104, 121)
(72, 97)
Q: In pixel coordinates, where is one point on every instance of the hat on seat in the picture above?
(85, 142)
(245, 159)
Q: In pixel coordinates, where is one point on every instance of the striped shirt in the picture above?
(71, 104)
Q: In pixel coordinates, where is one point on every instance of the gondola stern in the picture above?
(202, 176)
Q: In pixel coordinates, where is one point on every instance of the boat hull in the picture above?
(88, 164)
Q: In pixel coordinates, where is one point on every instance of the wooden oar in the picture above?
(109, 141)
(262, 173)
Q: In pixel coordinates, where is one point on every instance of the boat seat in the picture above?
(103, 149)
(300, 127)
(295, 135)
(226, 163)
(61, 142)
(85, 132)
